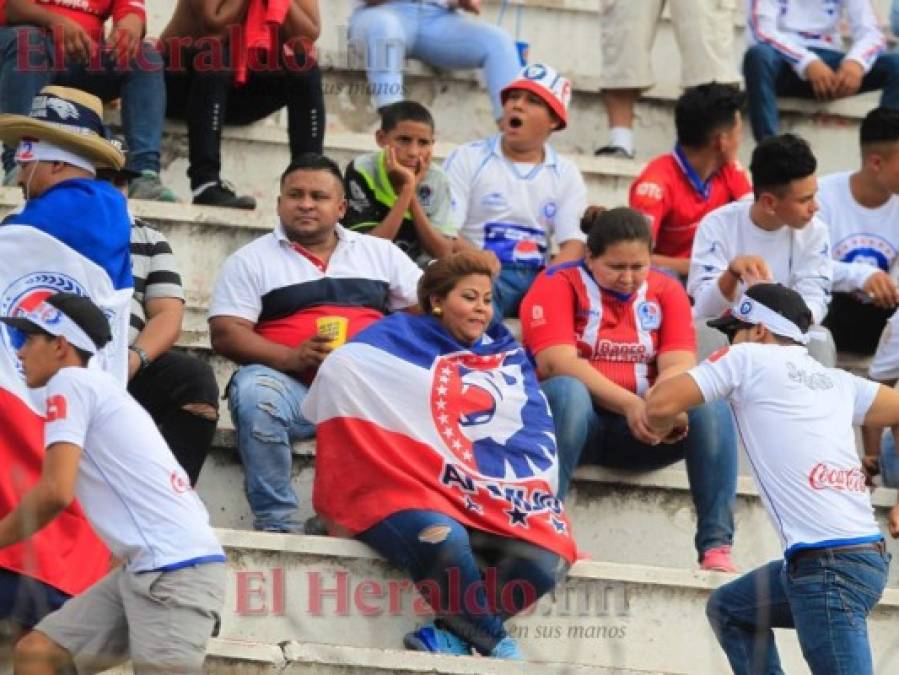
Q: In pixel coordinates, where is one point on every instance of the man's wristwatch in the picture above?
(142, 355)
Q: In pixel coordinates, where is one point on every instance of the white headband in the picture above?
(47, 317)
(33, 150)
(752, 311)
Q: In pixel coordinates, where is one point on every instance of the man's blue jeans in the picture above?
(586, 434)
(509, 288)
(27, 64)
(768, 75)
(826, 599)
(265, 406)
(472, 579)
(386, 33)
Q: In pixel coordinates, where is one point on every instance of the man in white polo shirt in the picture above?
(263, 314)
(512, 194)
(795, 417)
(774, 237)
(162, 604)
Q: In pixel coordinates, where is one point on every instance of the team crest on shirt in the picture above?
(425, 196)
(481, 406)
(549, 210)
(650, 315)
(22, 297)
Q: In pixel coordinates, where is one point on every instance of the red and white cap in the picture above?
(546, 83)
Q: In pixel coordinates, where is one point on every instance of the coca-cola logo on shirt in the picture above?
(823, 476)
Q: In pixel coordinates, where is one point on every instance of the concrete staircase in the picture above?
(637, 606)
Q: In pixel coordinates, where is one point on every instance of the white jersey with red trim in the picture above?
(512, 209)
(795, 419)
(794, 27)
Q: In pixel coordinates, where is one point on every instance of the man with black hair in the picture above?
(796, 420)
(397, 193)
(162, 604)
(265, 312)
(677, 189)
(775, 237)
(861, 209)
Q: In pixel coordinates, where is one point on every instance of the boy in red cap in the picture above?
(512, 194)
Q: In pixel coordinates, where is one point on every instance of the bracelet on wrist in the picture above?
(141, 355)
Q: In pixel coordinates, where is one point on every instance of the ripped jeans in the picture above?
(265, 406)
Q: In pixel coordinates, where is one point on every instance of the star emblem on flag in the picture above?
(559, 525)
(472, 505)
(517, 517)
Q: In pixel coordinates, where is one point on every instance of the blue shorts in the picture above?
(26, 600)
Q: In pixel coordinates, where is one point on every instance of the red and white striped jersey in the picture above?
(620, 336)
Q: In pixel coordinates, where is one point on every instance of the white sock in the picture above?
(623, 137)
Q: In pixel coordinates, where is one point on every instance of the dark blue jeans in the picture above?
(589, 435)
(27, 64)
(509, 288)
(25, 601)
(827, 600)
(472, 579)
(768, 75)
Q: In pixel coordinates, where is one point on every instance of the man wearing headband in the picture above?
(165, 541)
(796, 420)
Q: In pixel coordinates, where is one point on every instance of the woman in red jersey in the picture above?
(603, 331)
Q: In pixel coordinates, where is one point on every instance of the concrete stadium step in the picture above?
(255, 156)
(618, 516)
(331, 591)
(242, 657)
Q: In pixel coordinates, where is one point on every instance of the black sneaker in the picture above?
(222, 193)
(614, 151)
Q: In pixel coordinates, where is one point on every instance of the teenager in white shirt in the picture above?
(160, 606)
(513, 195)
(796, 49)
(775, 237)
(795, 418)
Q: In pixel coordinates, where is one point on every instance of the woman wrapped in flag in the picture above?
(436, 448)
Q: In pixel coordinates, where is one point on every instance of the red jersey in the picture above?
(621, 338)
(90, 14)
(670, 194)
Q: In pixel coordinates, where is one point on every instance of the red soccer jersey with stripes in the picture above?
(620, 337)
(664, 193)
(89, 14)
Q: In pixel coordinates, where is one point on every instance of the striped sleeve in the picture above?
(153, 264)
(868, 41)
(763, 24)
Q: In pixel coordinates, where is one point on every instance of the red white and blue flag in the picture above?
(408, 418)
(66, 554)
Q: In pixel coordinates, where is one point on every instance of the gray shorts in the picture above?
(161, 620)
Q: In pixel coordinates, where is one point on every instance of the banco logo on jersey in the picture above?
(491, 415)
(24, 296)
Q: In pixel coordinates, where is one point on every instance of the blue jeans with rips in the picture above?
(586, 434)
(472, 579)
(265, 406)
(28, 63)
(826, 599)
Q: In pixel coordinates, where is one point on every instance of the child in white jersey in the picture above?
(162, 604)
(795, 417)
(513, 195)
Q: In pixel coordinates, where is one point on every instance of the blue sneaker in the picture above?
(429, 638)
(507, 648)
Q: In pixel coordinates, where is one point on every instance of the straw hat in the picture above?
(69, 118)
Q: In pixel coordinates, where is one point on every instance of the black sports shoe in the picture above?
(222, 193)
(614, 151)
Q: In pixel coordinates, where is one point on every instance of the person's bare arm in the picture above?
(161, 332)
(564, 360)
(78, 45)
(217, 15)
(669, 399)
(303, 20)
(572, 249)
(673, 363)
(53, 492)
(679, 265)
(235, 339)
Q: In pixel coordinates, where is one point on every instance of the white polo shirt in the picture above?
(132, 489)
(795, 419)
(862, 240)
(514, 209)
